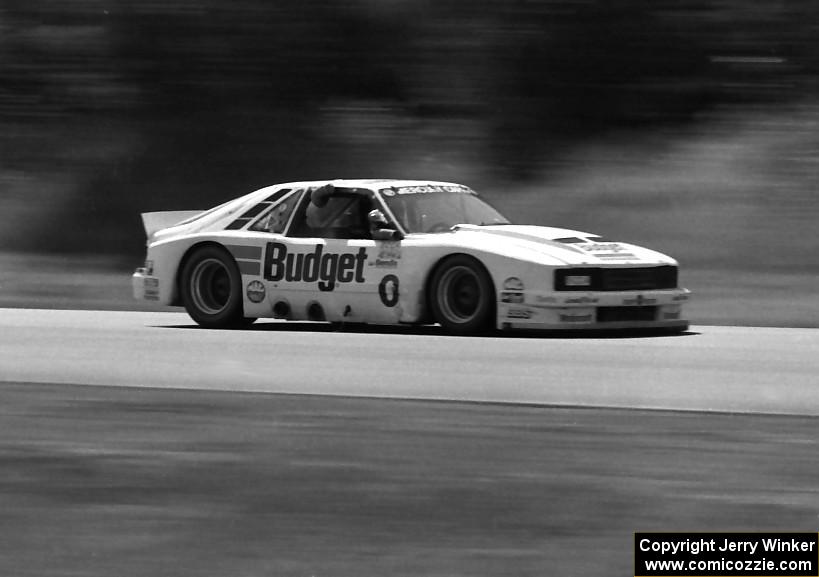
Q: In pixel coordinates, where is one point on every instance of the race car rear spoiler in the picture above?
(156, 221)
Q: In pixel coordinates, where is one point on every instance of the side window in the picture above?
(256, 210)
(342, 216)
(275, 219)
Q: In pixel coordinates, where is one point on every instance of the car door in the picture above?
(328, 267)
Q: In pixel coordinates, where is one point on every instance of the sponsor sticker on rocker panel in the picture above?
(327, 269)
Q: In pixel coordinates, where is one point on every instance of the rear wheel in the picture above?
(462, 296)
(211, 288)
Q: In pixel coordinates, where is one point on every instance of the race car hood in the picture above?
(567, 247)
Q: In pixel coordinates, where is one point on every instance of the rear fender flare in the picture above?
(176, 299)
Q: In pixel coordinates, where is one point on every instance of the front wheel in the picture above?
(462, 296)
(211, 288)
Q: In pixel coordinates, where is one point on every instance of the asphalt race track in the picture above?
(726, 369)
(116, 462)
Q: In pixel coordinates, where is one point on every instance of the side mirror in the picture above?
(386, 234)
(380, 228)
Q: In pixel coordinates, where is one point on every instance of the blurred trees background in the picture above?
(112, 107)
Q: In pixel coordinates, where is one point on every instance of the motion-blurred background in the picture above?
(690, 127)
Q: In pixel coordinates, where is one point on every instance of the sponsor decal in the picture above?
(389, 250)
(255, 291)
(150, 286)
(639, 301)
(426, 189)
(584, 300)
(575, 318)
(512, 290)
(519, 314)
(388, 290)
(389, 253)
(513, 283)
(602, 247)
(326, 269)
(510, 297)
(611, 250)
(546, 300)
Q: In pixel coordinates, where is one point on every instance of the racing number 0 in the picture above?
(388, 290)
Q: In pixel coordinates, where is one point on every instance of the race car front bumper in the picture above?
(661, 309)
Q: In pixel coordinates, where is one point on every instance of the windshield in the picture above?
(437, 208)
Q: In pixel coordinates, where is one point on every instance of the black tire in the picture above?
(211, 288)
(461, 295)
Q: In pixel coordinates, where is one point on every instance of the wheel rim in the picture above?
(210, 286)
(459, 294)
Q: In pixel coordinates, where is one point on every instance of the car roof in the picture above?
(365, 183)
(226, 212)
(368, 183)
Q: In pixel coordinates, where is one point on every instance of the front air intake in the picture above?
(616, 279)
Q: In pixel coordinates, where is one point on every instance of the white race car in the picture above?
(392, 252)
